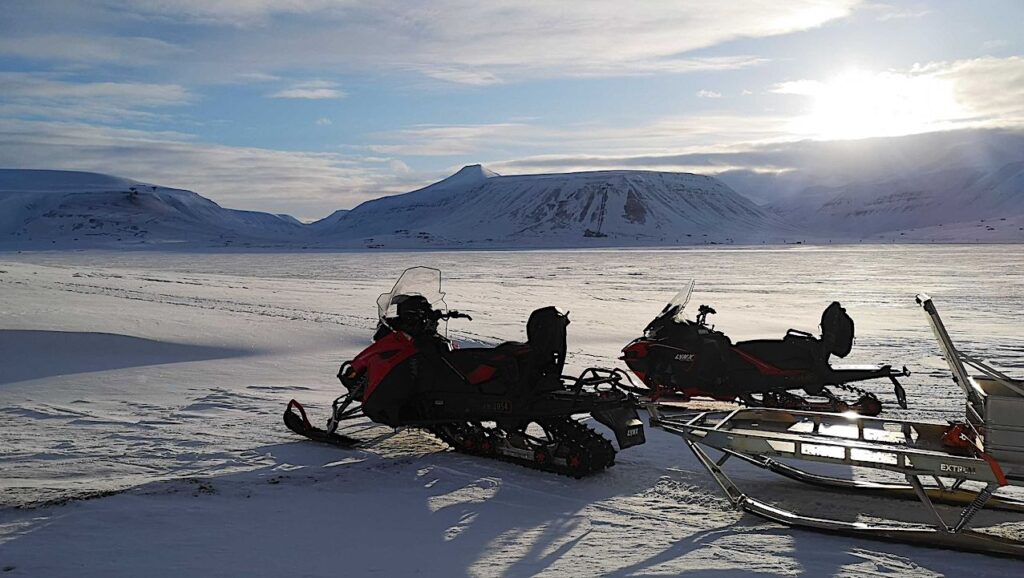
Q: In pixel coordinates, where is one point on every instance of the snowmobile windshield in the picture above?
(416, 281)
(677, 306)
(675, 310)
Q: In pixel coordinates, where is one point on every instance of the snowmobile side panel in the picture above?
(382, 357)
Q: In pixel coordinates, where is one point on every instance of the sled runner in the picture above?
(964, 463)
(509, 402)
(685, 358)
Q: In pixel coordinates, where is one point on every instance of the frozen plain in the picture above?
(159, 379)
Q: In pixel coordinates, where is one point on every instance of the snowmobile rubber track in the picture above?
(576, 450)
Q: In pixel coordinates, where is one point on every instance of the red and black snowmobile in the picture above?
(509, 402)
(689, 358)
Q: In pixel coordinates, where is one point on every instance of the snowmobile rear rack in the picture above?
(964, 463)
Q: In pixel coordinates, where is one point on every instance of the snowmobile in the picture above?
(509, 402)
(688, 358)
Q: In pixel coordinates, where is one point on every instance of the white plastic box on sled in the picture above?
(1001, 419)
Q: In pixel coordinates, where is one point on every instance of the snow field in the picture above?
(160, 379)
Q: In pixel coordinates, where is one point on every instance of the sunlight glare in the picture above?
(862, 104)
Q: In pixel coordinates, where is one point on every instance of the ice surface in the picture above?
(162, 377)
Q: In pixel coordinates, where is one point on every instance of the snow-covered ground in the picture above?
(153, 383)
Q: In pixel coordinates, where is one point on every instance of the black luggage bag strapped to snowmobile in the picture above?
(509, 402)
(836, 330)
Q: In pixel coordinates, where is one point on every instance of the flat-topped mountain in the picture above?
(478, 206)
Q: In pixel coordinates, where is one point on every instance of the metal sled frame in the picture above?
(935, 466)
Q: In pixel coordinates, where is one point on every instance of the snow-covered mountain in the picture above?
(975, 194)
(68, 208)
(328, 221)
(939, 198)
(880, 188)
(478, 206)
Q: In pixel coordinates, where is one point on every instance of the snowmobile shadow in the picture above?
(35, 354)
(479, 514)
(405, 509)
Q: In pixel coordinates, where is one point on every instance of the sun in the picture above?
(859, 104)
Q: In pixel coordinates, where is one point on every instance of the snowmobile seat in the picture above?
(789, 353)
(486, 370)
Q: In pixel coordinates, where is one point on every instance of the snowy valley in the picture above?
(142, 417)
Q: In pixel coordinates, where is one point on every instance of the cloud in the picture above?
(43, 95)
(311, 90)
(458, 41)
(708, 94)
(399, 168)
(449, 140)
(307, 185)
(991, 89)
(884, 11)
(234, 13)
(821, 162)
(92, 50)
(324, 121)
(980, 92)
(256, 77)
(672, 133)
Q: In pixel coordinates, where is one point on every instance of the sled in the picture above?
(964, 463)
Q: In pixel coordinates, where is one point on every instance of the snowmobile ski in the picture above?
(299, 423)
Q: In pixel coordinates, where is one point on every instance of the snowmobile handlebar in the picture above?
(702, 313)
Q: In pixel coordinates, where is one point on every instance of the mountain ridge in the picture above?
(477, 207)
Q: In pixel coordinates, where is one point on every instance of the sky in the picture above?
(307, 106)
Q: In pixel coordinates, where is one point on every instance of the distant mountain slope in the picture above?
(328, 221)
(941, 197)
(873, 187)
(478, 206)
(89, 209)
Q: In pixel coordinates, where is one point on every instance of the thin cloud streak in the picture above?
(311, 90)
